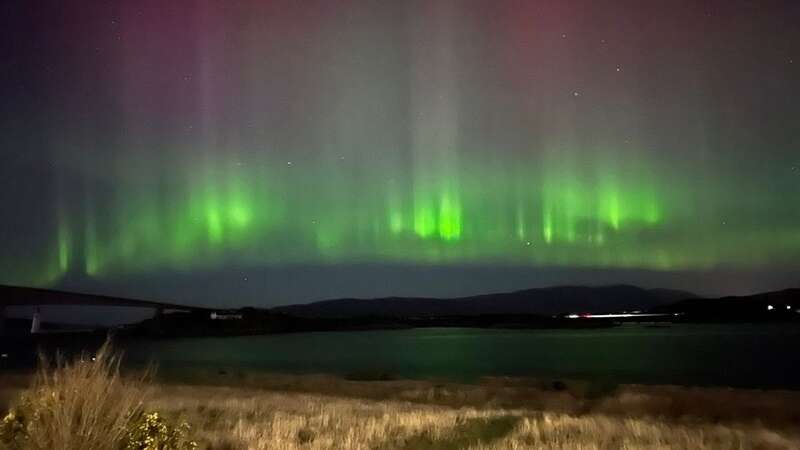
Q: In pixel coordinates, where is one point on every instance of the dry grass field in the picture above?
(234, 418)
(87, 405)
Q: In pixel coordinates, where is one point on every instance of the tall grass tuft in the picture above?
(78, 404)
(85, 404)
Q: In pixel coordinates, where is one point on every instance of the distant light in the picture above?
(788, 306)
(4, 355)
(620, 315)
(573, 316)
(770, 307)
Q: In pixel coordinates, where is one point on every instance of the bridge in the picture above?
(24, 296)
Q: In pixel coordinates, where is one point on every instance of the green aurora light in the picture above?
(524, 134)
(287, 214)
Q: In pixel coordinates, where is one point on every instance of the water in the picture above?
(762, 356)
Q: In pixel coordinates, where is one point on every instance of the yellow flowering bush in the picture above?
(153, 432)
(13, 430)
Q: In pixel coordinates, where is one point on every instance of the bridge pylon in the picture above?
(36, 322)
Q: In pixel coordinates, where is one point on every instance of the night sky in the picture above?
(266, 152)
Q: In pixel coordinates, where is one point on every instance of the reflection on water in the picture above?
(736, 355)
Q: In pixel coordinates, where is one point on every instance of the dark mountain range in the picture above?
(531, 308)
(542, 301)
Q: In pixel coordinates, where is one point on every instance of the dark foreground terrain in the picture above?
(261, 411)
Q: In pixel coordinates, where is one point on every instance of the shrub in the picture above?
(13, 430)
(153, 432)
(85, 404)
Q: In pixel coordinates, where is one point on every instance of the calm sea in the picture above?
(762, 356)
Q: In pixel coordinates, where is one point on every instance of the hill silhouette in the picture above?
(766, 306)
(540, 301)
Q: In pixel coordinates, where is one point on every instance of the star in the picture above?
(619, 69)
(576, 94)
(288, 163)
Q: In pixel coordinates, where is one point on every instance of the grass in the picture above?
(79, 404)
(239, 418)
(469, 433)
(87, 404)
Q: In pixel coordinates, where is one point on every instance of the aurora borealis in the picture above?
(199, 137)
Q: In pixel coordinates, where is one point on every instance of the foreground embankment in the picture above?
(88, 404)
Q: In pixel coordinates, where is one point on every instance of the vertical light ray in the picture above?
(247, 134)
(437, 208)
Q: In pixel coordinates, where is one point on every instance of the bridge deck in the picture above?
(24, 296)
